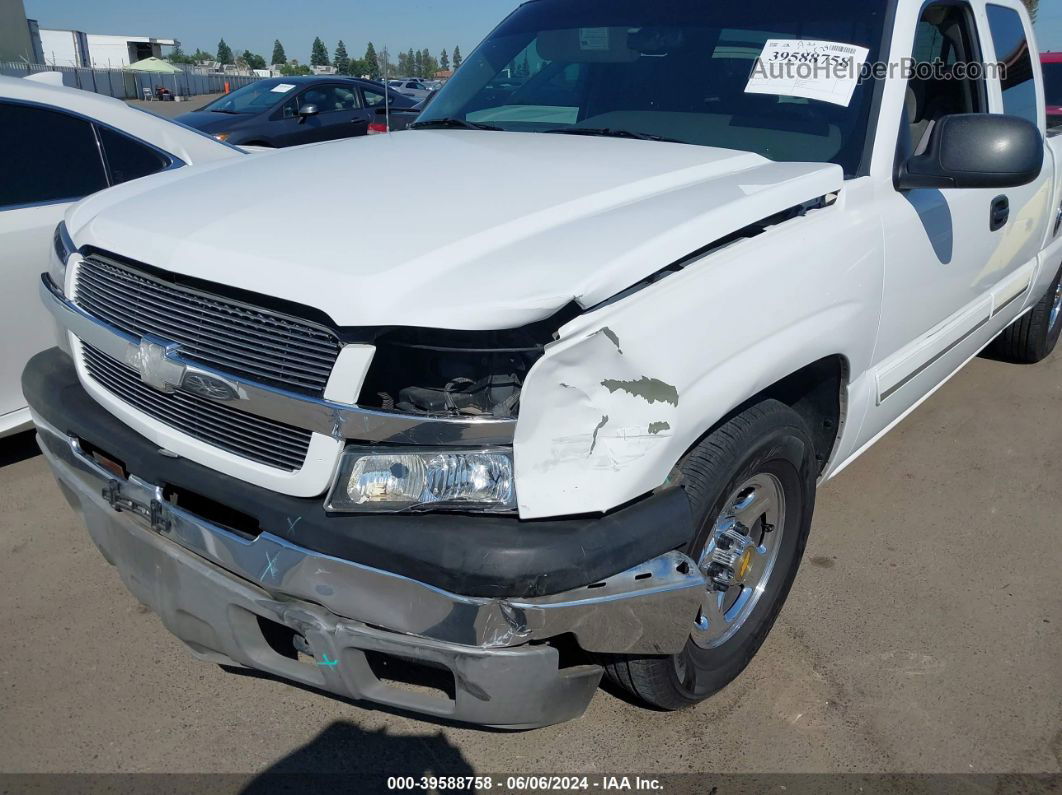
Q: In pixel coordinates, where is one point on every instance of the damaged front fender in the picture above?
(594, 410)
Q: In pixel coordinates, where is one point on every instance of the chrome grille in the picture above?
(242, 340)
(265, 441)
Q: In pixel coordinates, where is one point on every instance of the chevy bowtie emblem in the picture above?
(155, 360)
(152, 360)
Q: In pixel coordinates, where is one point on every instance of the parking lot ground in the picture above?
(922, 635)
(171, 110)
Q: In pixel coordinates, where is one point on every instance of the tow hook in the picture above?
(153, 511)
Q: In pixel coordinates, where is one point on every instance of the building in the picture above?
(16, 38)
(76, 48)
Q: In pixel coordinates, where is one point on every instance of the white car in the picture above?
(411, 88)
(61, 144)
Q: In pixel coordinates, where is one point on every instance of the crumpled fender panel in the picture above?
(628, 388)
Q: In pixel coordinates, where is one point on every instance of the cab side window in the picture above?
(49, 156)
(946, 47)
(1012, 52)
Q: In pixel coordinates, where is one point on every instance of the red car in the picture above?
(1052, 63)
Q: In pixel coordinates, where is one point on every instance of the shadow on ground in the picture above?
(20, 447)
(364, 759)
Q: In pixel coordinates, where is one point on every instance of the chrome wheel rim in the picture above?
(1056, 309)
(739, 558)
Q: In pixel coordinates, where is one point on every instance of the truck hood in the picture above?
(454, 229)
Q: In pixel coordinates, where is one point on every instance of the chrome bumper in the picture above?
(209, 584)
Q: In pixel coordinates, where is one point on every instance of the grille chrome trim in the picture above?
(332, 419)
(265, 346)
(255, 438)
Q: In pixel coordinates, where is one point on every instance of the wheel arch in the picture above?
(818, 392)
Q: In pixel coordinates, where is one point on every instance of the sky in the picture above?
(254, 24)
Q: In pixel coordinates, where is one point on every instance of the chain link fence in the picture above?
(129, 84)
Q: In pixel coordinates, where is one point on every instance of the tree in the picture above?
(457, 58)
(444, 60)
(358, 67)
(341, 61)
(253, 61)
(178, 56)
(224, 53)
(294, 69)
(319, 53)
(199, 56)
(278, 53)
(372, 63)
(411, 60)
(431, 66)
(404, 67)
(418, 63)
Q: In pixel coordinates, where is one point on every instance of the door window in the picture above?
(128, 159)
(373, 98)
(1012, 51)
(948, 80)
(49, 156)
(330, 99)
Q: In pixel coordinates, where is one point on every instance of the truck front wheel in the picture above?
(751, 485)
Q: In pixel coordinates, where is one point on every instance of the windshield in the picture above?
(671, 69)
(1053, 83)
(254, 98)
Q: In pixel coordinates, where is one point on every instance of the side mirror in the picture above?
(306, 111)
(976, 150)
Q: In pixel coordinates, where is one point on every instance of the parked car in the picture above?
(288, 111)
(59, 145)
(575, 426)
(411, 88)
(398, 119)
(1052, 66)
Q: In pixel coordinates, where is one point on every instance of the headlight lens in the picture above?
(383, 481)
(62, 249)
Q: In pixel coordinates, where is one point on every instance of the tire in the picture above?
(767, 443)
(1032, 337)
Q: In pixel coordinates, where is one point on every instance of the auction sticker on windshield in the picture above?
(282, 88)
(824, 70)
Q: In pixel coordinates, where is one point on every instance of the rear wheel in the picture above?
(751, 485)
(1033, 337)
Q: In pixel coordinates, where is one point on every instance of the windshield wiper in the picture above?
(452, 124)
(225, 110)
(608, 132)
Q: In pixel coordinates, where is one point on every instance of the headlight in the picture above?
(62, 249)
(385, 481)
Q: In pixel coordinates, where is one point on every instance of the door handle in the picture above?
(1000, 213)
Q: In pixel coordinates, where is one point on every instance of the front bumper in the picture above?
(213, 588)
(485, 555)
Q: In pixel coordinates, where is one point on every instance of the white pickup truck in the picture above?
(675, 264)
